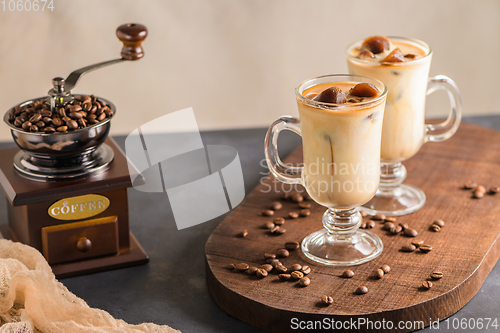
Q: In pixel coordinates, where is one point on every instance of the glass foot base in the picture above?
(403, 200)
(323, 248)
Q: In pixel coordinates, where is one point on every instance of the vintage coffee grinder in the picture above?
(67, 187)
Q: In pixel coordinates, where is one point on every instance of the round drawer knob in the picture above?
(84, 244)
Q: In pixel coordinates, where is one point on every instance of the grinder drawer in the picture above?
(80, 240)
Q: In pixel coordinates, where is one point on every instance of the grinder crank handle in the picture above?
(131, 35)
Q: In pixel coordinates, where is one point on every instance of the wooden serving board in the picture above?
(465, 250)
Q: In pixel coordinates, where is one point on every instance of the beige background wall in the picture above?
(237, 62)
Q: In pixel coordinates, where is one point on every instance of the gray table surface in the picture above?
(171, 289)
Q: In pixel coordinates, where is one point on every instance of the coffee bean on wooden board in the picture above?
(290, 246)
(297, 198)
(361, 290)
(306, 270)
(417, 243)
(439, 223)
(396, 230)
(380, 273)
(269, 256)
(390, 219)
(243, 233)
(408, 248)
(262, 273)
(304, 282)
(304, 205)
(363, 213)
(362, 225)
(327, 300)
(293, 215)
(437, 275)
(283, 253)
(230, 266)
(279, 221)
(296, 275)
(279, 231)
(427, 285)
(425, 248)
(267, 212)
(284, 277)
(469, 185)
(370, 224)
(385, 268)
(494, 190)
(273, 261)
(348, 274)
(281, 268)
(267, 267)
(409, 232)
(252, 270)
(242, 267)
(305, 212)
(479, 192)
(285, 195)
(388, 226)
(403, 225)
(268, 225)
(276, 205)
(379, 217)
(435, 228)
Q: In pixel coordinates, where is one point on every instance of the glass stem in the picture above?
(342, 223)
(392, 175)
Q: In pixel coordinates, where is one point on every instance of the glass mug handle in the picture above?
(286, 173)
(445, 130)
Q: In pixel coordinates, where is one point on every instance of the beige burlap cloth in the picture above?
(32, 300)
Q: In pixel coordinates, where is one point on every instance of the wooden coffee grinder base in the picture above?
(81, 226)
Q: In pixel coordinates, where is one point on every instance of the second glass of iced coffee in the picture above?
(403, 65)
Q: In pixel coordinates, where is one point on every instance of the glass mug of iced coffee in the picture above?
(403, 64)
(341, 126)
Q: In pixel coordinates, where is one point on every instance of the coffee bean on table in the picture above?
(280, 231)
(304, 282)
(437, 275)
(297, 198)
(296, 267)
(408, 248)
(425, 248)
(409, 232)
(435, 228)
(304, 205)
(362, 225)
(62, 129)
(390, 219)
(363, 213)
(370, 224)
(244, 233)
(305, 212)
(285, 195)
(293, 215)
(417, 243)
(267, 212)
(268, 225)
(279, 221)
(494, 190)
(269, 256)
(276, 205)
(439, 223)
(385, 268)
(267, 267)
(49, 130)
(479, 192)
(273, 261)
(281, 268)
(230, 266)
(296, 275)
(427, 285)
(388, 226)
(396, 230)
(380, 273)
(242, 267)
(283, 253)
(290, 246)
(306, 270)
(469, 185)
(379, 217)
(361, 290)
(252, 270)
(274, 229)
(403, 225)
(348, 274)
(262, 273)
(284, 277)
(327, 300)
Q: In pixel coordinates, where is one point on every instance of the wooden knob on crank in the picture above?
(84, 244)
(132, 35)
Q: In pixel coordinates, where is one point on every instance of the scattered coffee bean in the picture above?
(284, 277)
(409, 232)
(386, 268)
(379, 217)
(273, 262)
(427, 285)
(305, 212)
(417, 243)
(276, 205)
(297, 198)
(274, 229)
(361, 290)
(479, 192)
(306, 270)
(280, 231)
(425, 248)
(390, 219)
(242, 267)
(244, 233)
(304, 282)
(290, 246)
(267, 212)
(396, 230)
(293, 215)
(262, 273)
(437, 275)
(348, 274)
(269, 256)
(62, 129)
(362, 225)
(404, 226)
(380, 273)
(494, 190)
(281, 268)
(230, 266)
(268, 225)
(439, 223)
(296, 275)
(285, 195)
(267, 267)
(370, 224)
(363, 213)
(388, 226)
(296, 267)
(435, 228)
(279, 221)
(469, 185)
(304, 205)
(252, 270)
(283, 253)
(408, 248)
(327, 299)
